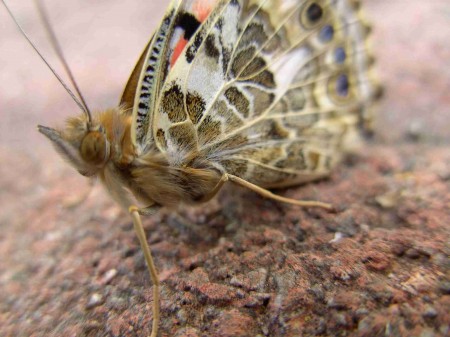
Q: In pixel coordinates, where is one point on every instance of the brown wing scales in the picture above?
(129, 92)
(272, 86)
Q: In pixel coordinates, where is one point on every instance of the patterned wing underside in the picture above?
(268, 90)
(129, 92)
(179, 24)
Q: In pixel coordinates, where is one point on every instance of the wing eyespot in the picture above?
(342, 85)
(312, 14)
(326, 34)
(340, 55)
(340, 88)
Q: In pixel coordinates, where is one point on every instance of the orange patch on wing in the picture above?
(178, 50)
(202, 9)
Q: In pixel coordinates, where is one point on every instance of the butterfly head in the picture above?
(82, 143)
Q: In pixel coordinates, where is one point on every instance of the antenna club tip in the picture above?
(48, 132)
(41, 128)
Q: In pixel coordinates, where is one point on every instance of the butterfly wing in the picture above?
(268, 90)
(179, 24)
(129, 92)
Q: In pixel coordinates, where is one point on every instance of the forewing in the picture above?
(268, 90)
(177, 27)
(129, 92)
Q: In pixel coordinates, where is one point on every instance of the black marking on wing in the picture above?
(192, 49)
(188, 23)
(149, 79)
(211, 49)
(172, 104)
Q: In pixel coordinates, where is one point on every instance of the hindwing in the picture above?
(268, 90)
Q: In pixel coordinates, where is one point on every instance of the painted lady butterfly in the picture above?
(262, 93)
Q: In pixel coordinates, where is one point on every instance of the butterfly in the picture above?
(260, 93)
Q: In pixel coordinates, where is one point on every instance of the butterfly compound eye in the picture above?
(94, 148)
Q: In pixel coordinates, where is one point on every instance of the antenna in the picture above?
(58, 50)
(82, 105)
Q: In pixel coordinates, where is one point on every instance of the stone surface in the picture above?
(239, 265)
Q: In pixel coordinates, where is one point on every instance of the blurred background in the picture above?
(102, 40)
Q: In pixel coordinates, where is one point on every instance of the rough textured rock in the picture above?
(240, 265)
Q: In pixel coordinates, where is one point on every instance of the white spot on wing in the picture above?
(287, 67)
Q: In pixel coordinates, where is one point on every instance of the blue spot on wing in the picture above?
(326, 33)
(342, 85)
(340, 55)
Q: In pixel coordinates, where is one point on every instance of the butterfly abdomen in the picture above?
(169, 186)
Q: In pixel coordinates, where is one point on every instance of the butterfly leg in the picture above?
(268, 194)
(216, 189)
(139, 229)
(150, 210)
